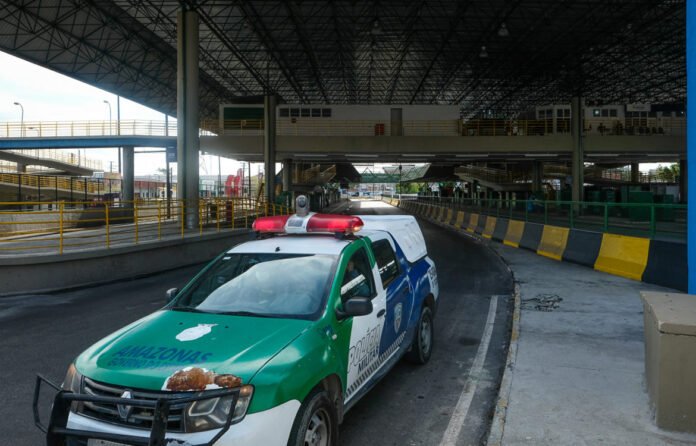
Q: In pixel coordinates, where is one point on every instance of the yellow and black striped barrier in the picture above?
(661, 262)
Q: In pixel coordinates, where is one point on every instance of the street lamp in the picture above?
(21, 125)
(109, 104)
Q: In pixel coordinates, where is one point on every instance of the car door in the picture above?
(358, 280)
(399, 293)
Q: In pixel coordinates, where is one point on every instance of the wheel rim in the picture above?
(425, 335)
(318, 429)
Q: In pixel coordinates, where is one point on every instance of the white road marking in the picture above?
(462, 408)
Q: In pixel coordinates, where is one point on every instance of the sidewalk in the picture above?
(578, 375)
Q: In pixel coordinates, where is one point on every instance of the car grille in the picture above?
(140, 417)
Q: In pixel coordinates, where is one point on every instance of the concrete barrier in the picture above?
(490, 227)
(582, 247)
(667, 265)
(531, 236)
(514, 233)
(481, 225)
(473, 222)
(553, 242)
(653, 261)
(623, 255)
(459, 220)
(47, 273)
(501, 227)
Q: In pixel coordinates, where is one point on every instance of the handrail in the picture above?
(373, 127)
(61, 226)
(653, 220)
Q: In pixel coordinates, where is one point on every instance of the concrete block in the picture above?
(670, 358)
(582, 247)
(531, 236)
(501, 227)
(667, 265)
(623, 256)
(553, 242)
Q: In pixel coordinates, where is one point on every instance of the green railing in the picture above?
(652, 220)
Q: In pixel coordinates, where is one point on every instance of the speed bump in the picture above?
(553, 242)
(623, 255)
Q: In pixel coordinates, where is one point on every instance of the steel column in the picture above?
(128, 183)
(187, 114)
(269, 147)
(691, 140)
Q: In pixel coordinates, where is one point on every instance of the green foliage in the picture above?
(668, 174)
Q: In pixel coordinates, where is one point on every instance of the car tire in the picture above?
(316, 423)
(423, 338)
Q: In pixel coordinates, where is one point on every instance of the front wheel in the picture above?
(316, 423)
(422, 346)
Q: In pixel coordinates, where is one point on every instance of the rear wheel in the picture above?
(422, 346)
(316, 423)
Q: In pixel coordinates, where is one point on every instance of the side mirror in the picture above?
(171, 294)
(357, 306)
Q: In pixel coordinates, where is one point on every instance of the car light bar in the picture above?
(314, 223)
(270, 224)
(345, 224)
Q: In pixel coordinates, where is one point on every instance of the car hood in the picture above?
(144, 354)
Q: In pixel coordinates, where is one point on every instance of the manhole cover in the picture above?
(542, 302)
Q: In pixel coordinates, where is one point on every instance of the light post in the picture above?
(400, 187)
(21, 124)
(109, 104)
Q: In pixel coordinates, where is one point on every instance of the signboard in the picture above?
(171, 154)
(638, 107)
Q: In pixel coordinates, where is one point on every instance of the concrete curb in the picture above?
(497, 430)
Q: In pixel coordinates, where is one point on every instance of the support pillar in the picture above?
(578, 166)
(635, 173)
(187, 114)
(128, 181)
(269, 146)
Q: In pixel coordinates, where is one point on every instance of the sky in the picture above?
(50, 96)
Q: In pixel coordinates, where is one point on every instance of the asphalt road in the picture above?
(441, 403)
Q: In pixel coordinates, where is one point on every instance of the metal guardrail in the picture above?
(57, 227)
(651, 220)
(132, 127)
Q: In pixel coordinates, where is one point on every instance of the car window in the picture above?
(357, 277)
(386, 261)
(261, 284)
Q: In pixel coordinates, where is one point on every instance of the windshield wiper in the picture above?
(245, 313)
(188, 310)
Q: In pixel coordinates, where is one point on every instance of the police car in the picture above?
(270, 344)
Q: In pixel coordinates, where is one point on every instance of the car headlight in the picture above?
(73, 383)
(73, 380)
(212, 413)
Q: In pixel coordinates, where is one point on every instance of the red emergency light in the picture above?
(270, 224)
(344, 224)
(326, 223)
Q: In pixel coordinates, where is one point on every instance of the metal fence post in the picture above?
(106, 221)
(135, 220)
(60, 227)
(546, 212)
(606, 217)
(653, 222)
(181, 217)
(159, 220)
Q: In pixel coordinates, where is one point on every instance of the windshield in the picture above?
(261, 284)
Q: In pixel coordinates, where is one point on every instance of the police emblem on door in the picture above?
(397, 317)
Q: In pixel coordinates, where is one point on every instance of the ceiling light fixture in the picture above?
(484, 52)
(503, 31)
(376, 28)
